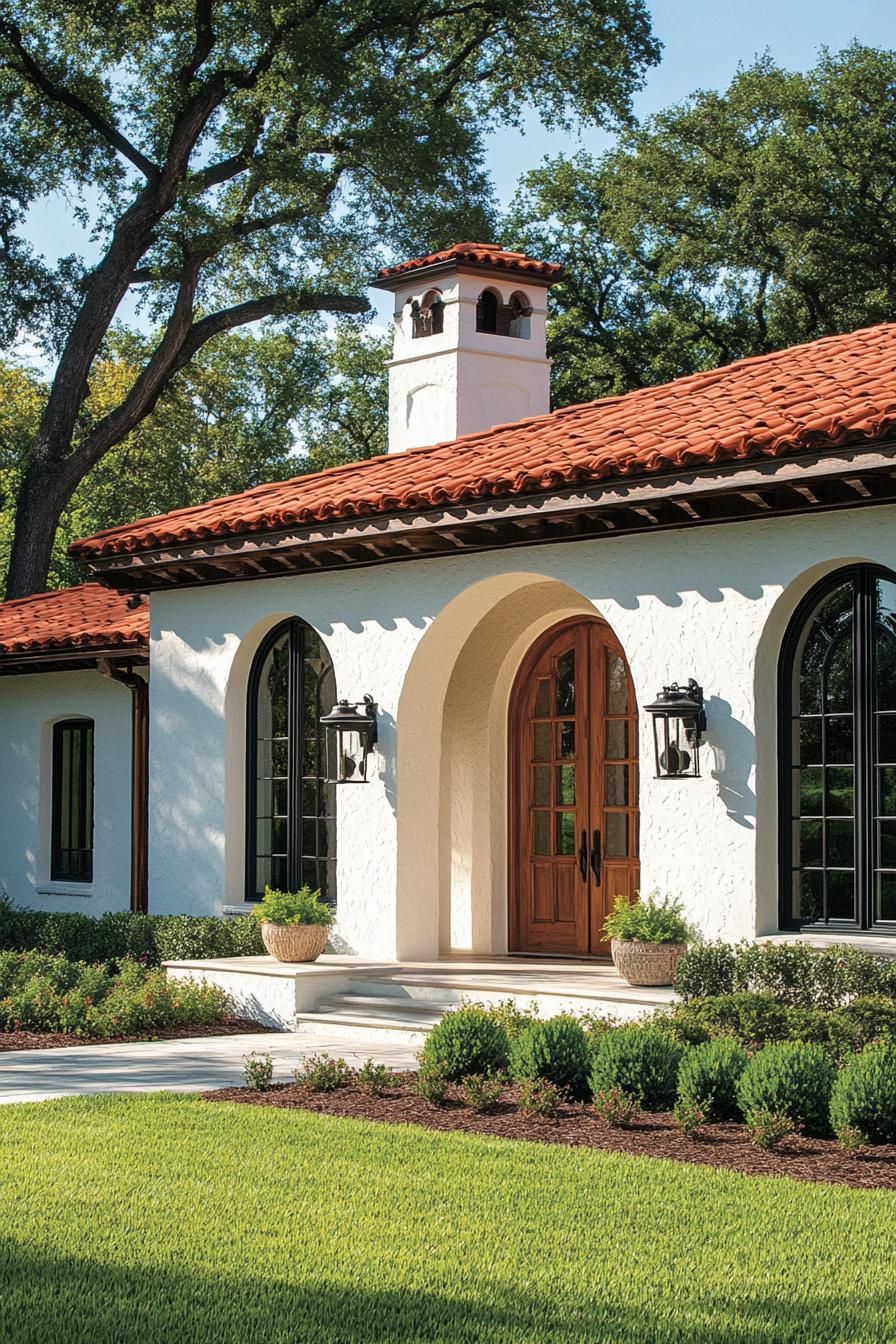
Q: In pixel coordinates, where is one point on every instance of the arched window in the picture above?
(428, 316)
(291, 809)
(487, 311)
(838, 755)
(519, 317)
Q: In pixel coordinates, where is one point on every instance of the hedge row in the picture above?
(796, 973)
(149, 939)
(40, 992)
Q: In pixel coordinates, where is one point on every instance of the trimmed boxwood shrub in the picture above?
(467, 1040)
(789, 1078)
(864, 1095)
(150, 939)
(556, 1050)
(708, 1076)
(642, 1062)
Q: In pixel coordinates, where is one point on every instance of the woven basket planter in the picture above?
(294, 942)
(646, 963)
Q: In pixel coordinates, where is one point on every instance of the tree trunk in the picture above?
(43, 494)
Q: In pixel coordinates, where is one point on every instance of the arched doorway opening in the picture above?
(573, 789)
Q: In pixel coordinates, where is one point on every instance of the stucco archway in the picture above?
(452, 759)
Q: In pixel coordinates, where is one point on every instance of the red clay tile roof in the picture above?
(83, 618)
(839, 390)
(477, 254)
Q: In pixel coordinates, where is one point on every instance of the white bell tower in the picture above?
(469, 349)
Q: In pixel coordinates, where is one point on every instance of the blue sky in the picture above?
(704, 42)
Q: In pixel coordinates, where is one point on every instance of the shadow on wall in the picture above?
(734, 747)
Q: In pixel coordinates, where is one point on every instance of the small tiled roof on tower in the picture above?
(83, 620)
(487, 256)
(835, 392)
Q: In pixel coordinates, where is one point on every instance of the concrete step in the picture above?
(608, 994)
(375, 1019)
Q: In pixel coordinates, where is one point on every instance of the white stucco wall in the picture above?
(29, 705)
(422, 847)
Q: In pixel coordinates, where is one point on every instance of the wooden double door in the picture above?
(573, 736)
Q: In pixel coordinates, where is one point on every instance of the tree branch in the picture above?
(57, 93)
(202, 47)
(181, 341)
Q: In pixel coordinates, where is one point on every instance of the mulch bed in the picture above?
(53, 1040)
(648, 1135)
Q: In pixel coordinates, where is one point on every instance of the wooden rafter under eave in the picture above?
(736, 492)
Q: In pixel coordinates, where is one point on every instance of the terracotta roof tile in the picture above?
(86, 617)
(476, 254)
(834, 391)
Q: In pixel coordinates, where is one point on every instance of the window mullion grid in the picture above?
(294, 756)
(864, 731)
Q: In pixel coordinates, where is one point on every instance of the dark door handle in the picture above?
(596, 857)
(583, 856)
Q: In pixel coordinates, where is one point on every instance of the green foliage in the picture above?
(614, 1106)
(795, 973)
(538, 1096)
(431, 1085)
(642, 1061)
(850, 1139)
(735, 223)
(42, 992)
(114, 937)
(375, 1079)
(708, 1076)
(467, 1040)
(293, 907)
(258, 1070)
(482, 1091)
(864, 1095)
(647, 920)
(510, 1017)
(789, 1078)
(557, 1050)
(688, 1116)
(768, 1129)
(323, 1073)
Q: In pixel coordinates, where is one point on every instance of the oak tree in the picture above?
(241, 160)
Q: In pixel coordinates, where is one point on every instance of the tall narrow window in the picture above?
(71, 848)
(291, 821)
(838, 758)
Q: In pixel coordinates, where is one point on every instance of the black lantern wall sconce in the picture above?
(350, 736)
(679, 722)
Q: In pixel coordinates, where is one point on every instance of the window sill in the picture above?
(64, 889)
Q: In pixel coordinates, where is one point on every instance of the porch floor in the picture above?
(352, 993)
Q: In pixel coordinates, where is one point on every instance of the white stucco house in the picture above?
(510, 587)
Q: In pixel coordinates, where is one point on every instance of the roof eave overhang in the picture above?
(439, 269)
(81, 659)
(836, 478)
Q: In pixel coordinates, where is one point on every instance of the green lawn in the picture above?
(161, 1218)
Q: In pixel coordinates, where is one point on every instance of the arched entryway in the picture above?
(573, 787)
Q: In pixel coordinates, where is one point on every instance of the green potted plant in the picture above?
(295, 925)
(648, 938)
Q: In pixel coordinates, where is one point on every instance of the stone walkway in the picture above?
(178, 1066)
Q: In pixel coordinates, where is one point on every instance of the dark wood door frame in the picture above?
(581, 879)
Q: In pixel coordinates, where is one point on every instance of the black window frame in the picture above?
(866, 759)
(72, 862)
(299, 859)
